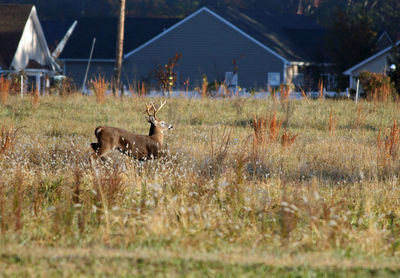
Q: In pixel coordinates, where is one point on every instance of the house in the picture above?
(257, 48)
(75, 56)
(23, 46)
(377, 63)
(248, 48)
(383, 41)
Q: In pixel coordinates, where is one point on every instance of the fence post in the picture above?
(22, 85)
(357, 89)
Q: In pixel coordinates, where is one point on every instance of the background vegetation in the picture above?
(245, 187)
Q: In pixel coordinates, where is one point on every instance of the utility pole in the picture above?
(120, 47)
(300, 8)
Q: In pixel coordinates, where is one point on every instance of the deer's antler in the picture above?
(148, 108)
(151, 106)
(156, 110)
(159, 108)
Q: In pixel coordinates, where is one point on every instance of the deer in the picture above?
(137, 146)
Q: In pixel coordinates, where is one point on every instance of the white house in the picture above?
(377, 63)
(23, 46)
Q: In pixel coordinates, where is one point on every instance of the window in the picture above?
(298, 79)
(274, 79)
(231, 79)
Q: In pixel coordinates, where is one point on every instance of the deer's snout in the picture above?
(170, 127)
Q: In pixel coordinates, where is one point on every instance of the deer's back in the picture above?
(137, 145)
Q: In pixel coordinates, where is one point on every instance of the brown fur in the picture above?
(141, 147)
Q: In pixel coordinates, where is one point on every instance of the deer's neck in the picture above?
(156, 134)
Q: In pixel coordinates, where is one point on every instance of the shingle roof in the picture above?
(54, 31)
(294, 37)
(137, 32)
(12, 23)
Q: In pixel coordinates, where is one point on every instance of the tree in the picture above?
(350, 39)
(394, 67)
(386, 16)
(166, 75)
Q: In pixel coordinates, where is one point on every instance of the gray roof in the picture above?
(13, 19)
(294, 37)
(137, 32)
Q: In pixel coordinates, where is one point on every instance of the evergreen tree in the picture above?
(351, 39)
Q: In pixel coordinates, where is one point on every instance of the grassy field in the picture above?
(244, 188)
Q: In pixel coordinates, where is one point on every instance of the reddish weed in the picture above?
(4, 89)
(100, 86)
(388, 148)
(285, 93)
(321, 89)
(7, 139)
(260, 127)
(287, 139)
(35, 98)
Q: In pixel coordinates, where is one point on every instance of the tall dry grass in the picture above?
(204, 87)
(320, 89)
(300, 191)
(332, 121)
(5, 85)
(35, 98)
(100, 87)
(7, 139)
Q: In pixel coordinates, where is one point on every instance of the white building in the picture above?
(23, 46)
(377, 63)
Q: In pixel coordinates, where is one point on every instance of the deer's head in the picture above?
(156, 123)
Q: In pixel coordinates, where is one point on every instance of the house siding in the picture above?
(377, 65)
(76, 70)
(208, 46)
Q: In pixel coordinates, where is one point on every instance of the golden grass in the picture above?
(7, 139)
(318, 260)
(332, 123)
(212, 189)
(35, 98)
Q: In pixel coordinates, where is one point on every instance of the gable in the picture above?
(291, 38)
(205, 13)
(383, 41)
(373, 60)
(32, 48)
(208, 46)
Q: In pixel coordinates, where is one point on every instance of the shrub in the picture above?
(377, 86)
(165, 74)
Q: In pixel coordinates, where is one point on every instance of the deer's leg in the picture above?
(95, 146)
(99, 152)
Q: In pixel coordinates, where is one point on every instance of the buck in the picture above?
(141, 147)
